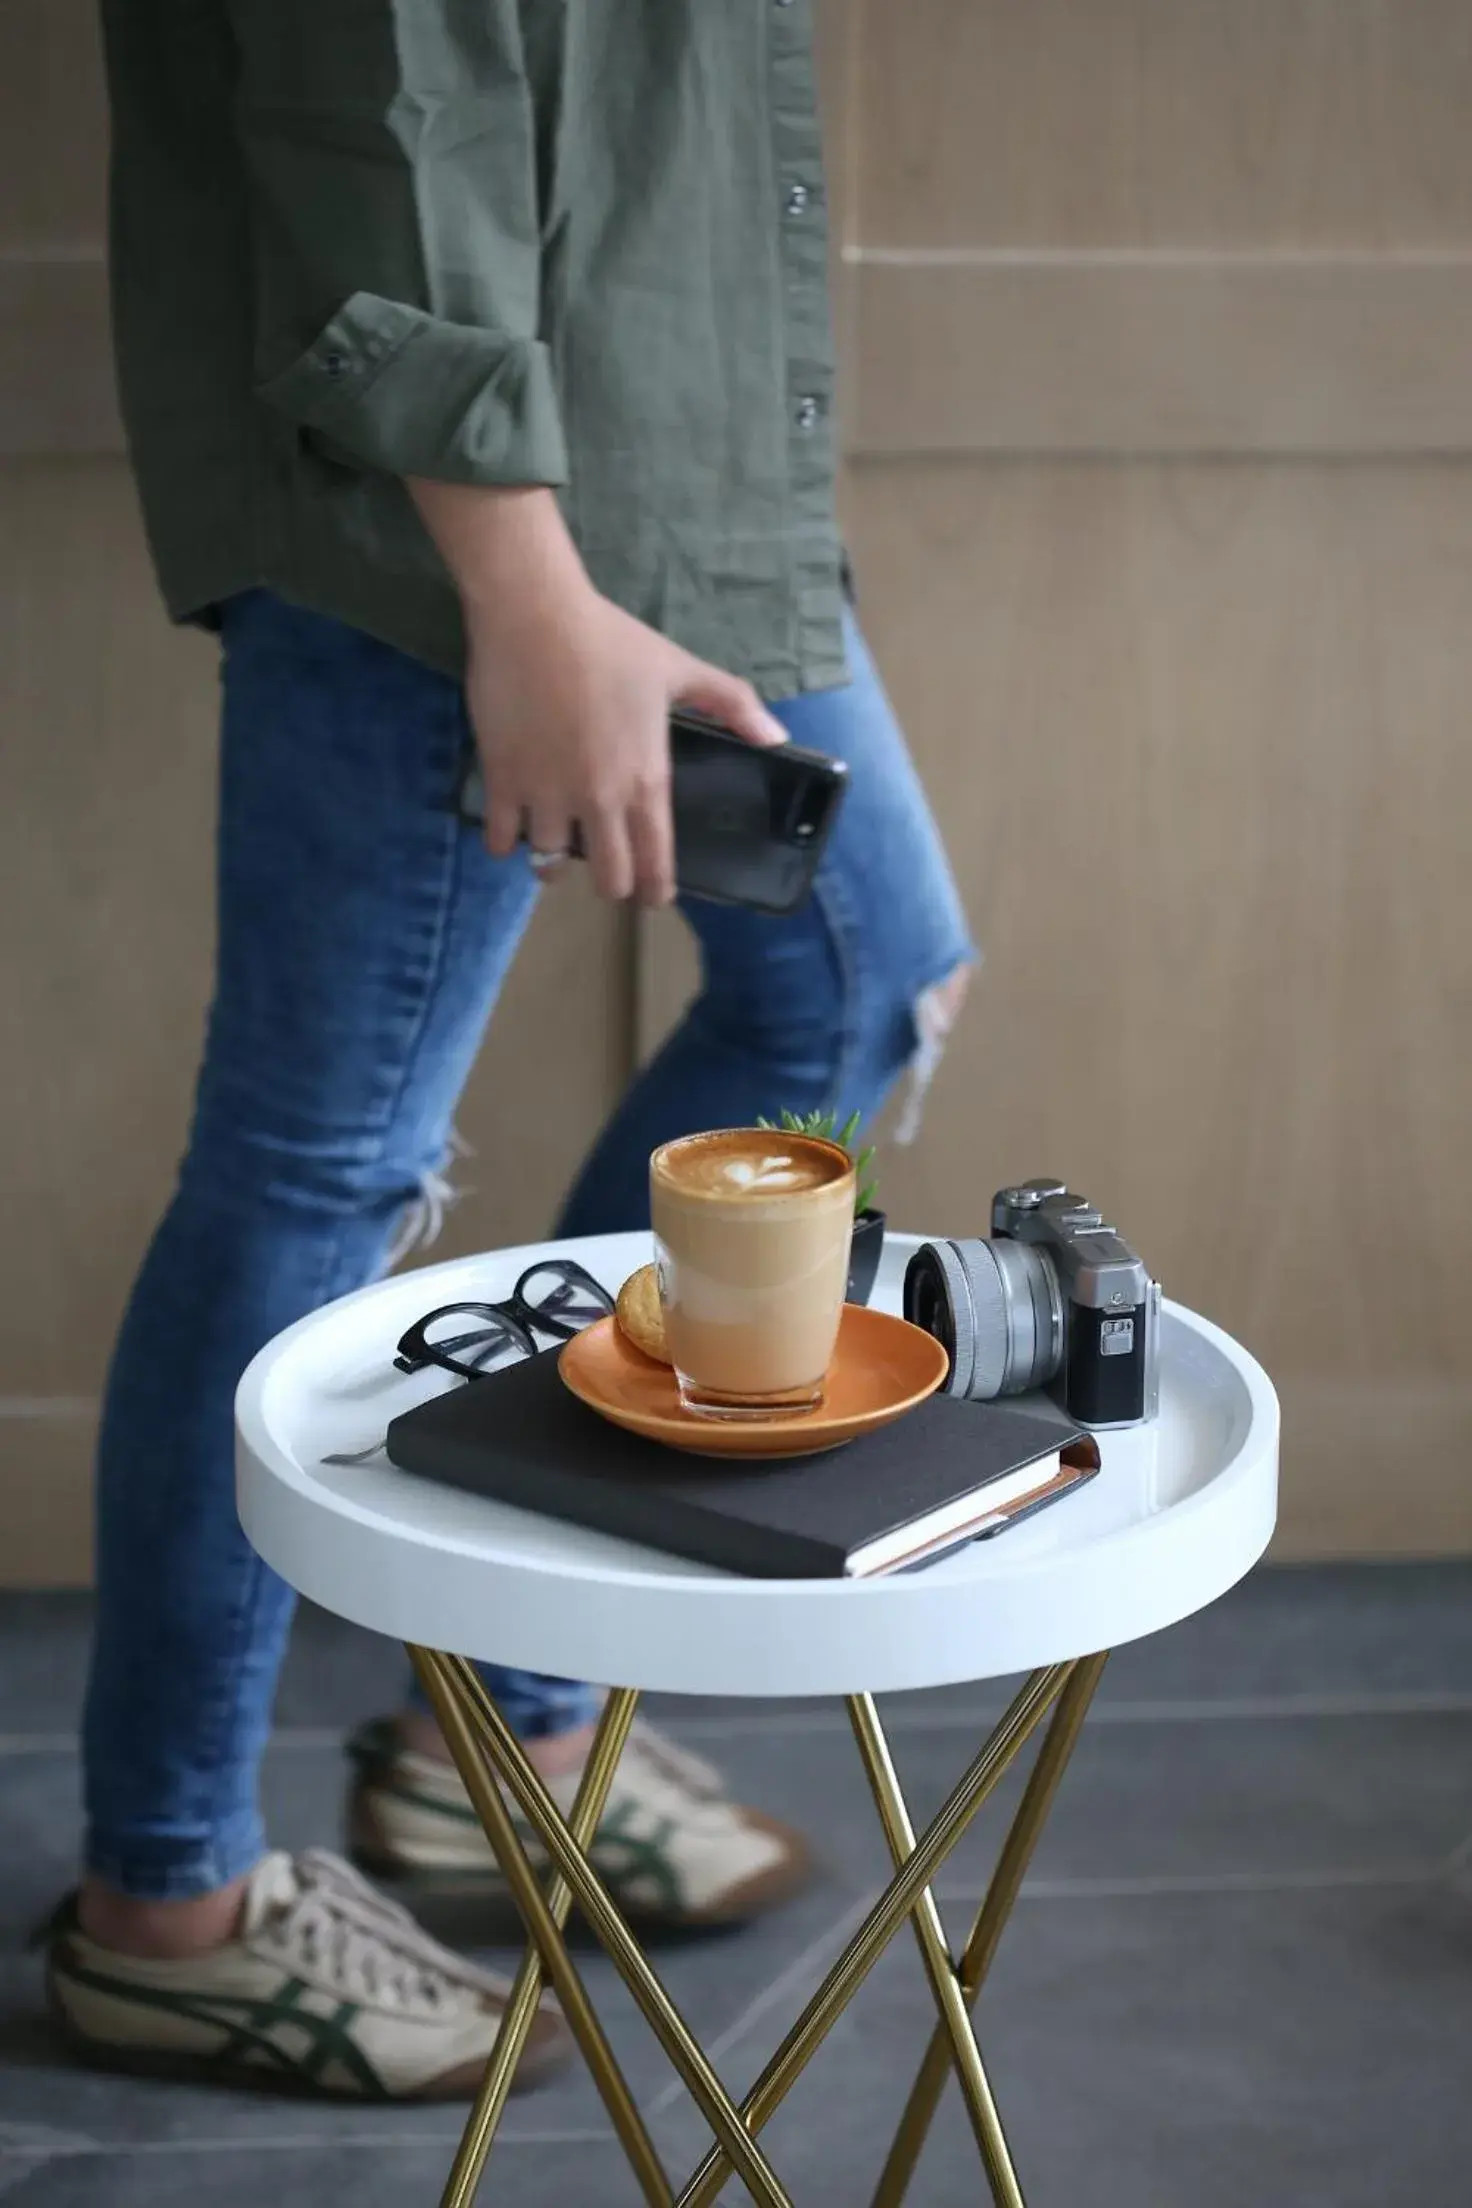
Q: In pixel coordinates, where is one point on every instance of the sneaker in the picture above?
(326, 1988)
(674, 1851)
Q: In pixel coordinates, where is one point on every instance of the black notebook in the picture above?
(942, 1476)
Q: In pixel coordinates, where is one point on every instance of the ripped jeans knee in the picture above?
(422, 1220)
(251, 1172)
(935, 1011)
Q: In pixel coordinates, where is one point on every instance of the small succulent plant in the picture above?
(825, 1128)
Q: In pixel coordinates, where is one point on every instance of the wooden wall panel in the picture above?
(57, 392)
(1199, 741)
(1170, 354)
(839, 54)
(56, 382)
(53, 128)
(1261, 125)
(1143, 226)
(105, 926)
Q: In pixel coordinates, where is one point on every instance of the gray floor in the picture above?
(1241, 1971)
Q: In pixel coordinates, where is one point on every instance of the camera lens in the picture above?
(994, 1307)
(938, 1300)
(1019, 1316)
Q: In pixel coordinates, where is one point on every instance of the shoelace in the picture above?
(680, 1765)
(658, 1783)
(661, 1780)
(335, 1923)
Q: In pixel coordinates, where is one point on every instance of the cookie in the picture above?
(639, 1314)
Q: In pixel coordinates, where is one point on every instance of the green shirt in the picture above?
(568, 242)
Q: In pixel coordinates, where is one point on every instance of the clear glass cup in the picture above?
(752, 1231)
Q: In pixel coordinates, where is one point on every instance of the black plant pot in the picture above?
(864, 1255)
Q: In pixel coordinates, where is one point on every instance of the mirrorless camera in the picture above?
(1054, 1299)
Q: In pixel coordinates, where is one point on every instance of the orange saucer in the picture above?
(881, 1368)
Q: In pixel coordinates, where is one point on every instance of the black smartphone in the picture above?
(750, 825)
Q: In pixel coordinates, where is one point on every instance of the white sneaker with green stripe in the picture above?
(326, 1988)
(674, 1851)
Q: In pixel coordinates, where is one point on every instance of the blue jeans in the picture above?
(363, 936)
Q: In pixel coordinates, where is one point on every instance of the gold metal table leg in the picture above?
(955, 2025)
(1032, 1703)
(487, 1752)
(981, 1947)
(456, 1724)
(505, 1754)
(489, 2104)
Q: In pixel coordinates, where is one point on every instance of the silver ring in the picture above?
(542, 862)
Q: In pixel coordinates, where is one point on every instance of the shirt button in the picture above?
(806, 412)
(797, 199)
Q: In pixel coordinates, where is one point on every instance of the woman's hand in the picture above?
(568, 695)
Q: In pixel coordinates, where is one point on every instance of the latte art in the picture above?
(763, 1173)
(743, 1163)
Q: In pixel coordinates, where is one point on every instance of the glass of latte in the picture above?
(752, 1231)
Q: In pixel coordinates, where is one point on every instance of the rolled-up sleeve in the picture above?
(390, 154)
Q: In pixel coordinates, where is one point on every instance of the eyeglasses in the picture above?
(557, 1297)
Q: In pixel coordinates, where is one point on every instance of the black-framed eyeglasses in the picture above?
(556, 1296)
